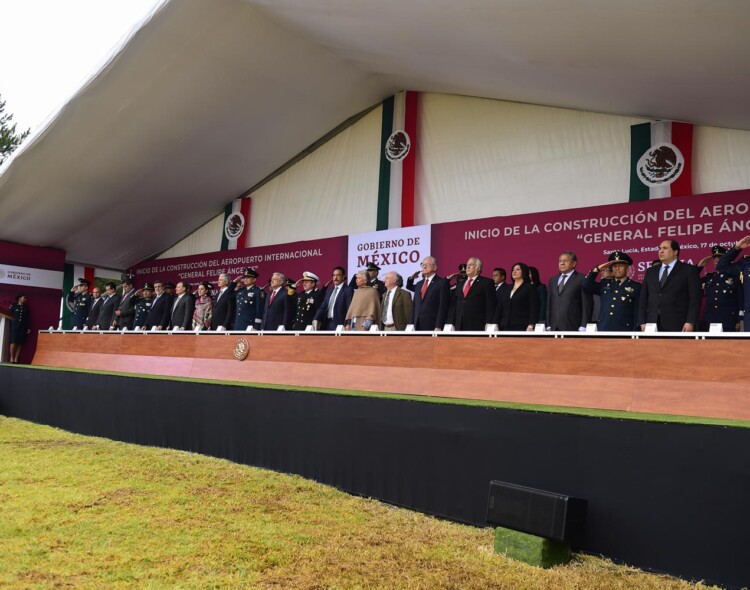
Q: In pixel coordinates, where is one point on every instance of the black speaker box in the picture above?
(546, 514)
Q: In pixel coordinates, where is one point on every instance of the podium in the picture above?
(5, 319)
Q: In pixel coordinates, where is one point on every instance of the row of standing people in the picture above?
(670, 297)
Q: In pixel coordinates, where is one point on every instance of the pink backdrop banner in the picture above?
(696, 222)
(318, 256)
(44, 302)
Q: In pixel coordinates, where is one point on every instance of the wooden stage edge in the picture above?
(685, 375)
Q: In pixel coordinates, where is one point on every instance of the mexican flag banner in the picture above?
(398, 161)
(236, 224)
(661, 155)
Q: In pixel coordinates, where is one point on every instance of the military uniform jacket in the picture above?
(740, 270)
(306, 308)
(79, 305)
(618, 311)
(142, 309)
(251, 302)
(723, 293)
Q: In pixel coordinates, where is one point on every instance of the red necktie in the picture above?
(467, 286)
(270, 301)
(424, 287)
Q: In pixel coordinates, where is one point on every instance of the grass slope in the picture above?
(83, 512)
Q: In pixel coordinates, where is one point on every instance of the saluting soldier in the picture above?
(308, 301)
(79, 303)
(143, 306)
(741, 269)
(723, 292)
(251, 301)
(618, 295)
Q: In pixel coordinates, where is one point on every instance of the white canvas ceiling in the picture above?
(208, 98)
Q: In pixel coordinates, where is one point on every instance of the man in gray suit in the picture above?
(569, 307)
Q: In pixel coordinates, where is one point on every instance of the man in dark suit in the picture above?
(109, 305)
(125, 313)
(332, 312)
(183, 307)
(569, 308)
(396, 304)
(671, 293)
(431, 298)
(502, 289)
(161, 308)
(222, 314)
(96, 307)
(475, 299)
(277, 304)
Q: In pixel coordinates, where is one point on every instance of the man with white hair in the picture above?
(396, 311)
(475, 299)
(222, 312)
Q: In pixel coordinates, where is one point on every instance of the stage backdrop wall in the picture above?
(292, 259)
(37, 272)
(475, 158)
(696, 222)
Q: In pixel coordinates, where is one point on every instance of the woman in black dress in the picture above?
(518, 309)
(19, 326)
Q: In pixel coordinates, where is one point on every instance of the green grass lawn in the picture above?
(83, 512)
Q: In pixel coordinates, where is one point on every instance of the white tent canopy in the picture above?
(209, 98)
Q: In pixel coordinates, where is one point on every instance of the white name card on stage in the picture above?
(650, 329)
(409, 328)
(539, 328)
(591, 329)
(716, 328)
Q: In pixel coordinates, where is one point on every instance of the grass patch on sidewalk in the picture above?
(83, 512)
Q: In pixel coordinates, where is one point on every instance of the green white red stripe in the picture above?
(243, 207)
(647, 136)
(397, 184)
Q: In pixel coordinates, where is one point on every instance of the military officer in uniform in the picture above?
(143, 306)
(723, 293)
(741, 270)
(79, 303)
(307, 302)
(618, 311)
(251, 301)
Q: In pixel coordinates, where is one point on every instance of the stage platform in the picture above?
(703, 375)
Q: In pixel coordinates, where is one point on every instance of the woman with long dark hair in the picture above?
(518, 308)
